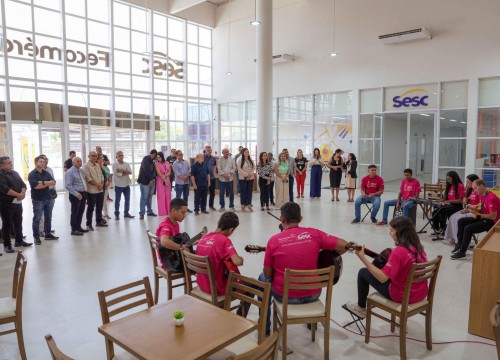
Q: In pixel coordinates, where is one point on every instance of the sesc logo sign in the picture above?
(413, 101)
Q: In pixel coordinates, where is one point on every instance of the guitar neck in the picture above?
(371, 254)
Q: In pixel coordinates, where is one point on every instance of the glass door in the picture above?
(420, 149)
(370, 142)
(51, 141)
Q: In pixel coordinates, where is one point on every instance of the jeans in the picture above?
(41, 207)
(77, 210)
(182, 190)
(147, 192)
(375, 200)
(290, 187)
(388, 203)
(279, 298)
(200, 198)
(246, 189)
(118, 194)
(365, 279)
(211, 191)
(223, 187)
(469, 226)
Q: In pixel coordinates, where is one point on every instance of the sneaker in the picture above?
(232, 209)
(456, 249)
(382, 223)
(38, 241)
(355, 221)
(458, 255)
(51, 237)
(222, 209)
(374, 221)
(356, 309)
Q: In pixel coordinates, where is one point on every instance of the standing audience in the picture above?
(351, 176)
(316, 165)
(273, 178)
(335, 165)
(75, 184)
(69, 162)
(200, 178)
(301, 172)
(103, 196)
(163, 187)
(226, 168)
(146, 180)
(181, 170)
(171, 159)
(246, 170)
(122, 171)
(95, 183)
(291, 173)
(211, 164)
(282, 171)
(265, 170)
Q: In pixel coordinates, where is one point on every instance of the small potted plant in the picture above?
(178, 317)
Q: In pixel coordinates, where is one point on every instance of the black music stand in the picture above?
(355, 320)
(433, 205)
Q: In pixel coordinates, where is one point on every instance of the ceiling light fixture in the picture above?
(229, 72)
(453, 120)
(255, 22)
(333, 53)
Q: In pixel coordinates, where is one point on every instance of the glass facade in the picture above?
(78, 74)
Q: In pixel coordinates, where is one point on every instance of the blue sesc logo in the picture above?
(413, 101)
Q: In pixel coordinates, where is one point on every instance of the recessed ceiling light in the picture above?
(442, 118)
(333, 54)
(425, 114)
(463, 122)
(229, 73)
(255, 22)
(453, 120)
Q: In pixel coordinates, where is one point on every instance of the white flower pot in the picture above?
(179, 322)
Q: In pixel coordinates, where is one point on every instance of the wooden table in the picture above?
(151, 334)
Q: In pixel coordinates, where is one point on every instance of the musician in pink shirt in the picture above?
(390, 281)
(454, 194)
(471, 198)
(372, 187)
(486, 217)
(410, 188)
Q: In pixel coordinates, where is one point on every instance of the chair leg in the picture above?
(428, 328)
(313, 331)
(110, 351)
(402, 338)
(170, 288)
(326, 325)
(368, 322)
(157, 288)
(275, 320)
(20, 339)
(393, 323)
(283, 339)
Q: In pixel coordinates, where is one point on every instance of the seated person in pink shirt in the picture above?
(410, 188)
(390, 281)
(295, 248)
(372, 187)
(219, 248)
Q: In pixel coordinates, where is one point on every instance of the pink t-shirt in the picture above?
(491, 203)
(453, 196)
(473, 198)
(296, 248)
(218, 248)
(372, 185)
(166, 228)
(397, 269)
(409, 189)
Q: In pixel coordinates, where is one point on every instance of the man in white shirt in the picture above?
(122, 171)
(226, 168)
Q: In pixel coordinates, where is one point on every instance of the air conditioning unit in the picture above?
(283, 58)
(410, 35)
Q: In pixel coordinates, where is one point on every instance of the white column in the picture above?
(472, 108)
(264, 75)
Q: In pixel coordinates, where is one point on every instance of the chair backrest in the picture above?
(54, 350)
(249, 291)
(433, 191)
(123, 302)
(18, 281)
(309, 280)
(419, 272)
(268, 350)
(495, 323)
(199, 265)
(155, 247)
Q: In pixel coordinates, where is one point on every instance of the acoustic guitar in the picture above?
(379, 260)
(326, 258)
(172, 258)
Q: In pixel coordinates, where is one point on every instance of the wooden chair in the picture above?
(419, 272)
(309, 313)
(11, 308)
(195, 264)
(54, 350)
(268, 350)
(432, 192)
(123, 302)
(495, 323)
(170, 276)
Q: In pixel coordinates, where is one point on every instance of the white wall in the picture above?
(464, 45)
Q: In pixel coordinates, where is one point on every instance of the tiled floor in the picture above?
(64, 276)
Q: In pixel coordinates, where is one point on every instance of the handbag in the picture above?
(53, 193)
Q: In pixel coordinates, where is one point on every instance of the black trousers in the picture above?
(77, 210)
(264, 192)
(468, 227)
(290, 186)
(6, 215)
(440, 216)
(365, 279)
(200, 198)
(211, 191)
(94, 202)
(17, 221)
(271, 192)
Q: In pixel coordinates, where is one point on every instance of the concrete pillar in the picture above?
(264, 75)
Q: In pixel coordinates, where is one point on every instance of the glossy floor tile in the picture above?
(64, 276)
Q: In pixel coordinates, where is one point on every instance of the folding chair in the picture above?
(369, 206)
